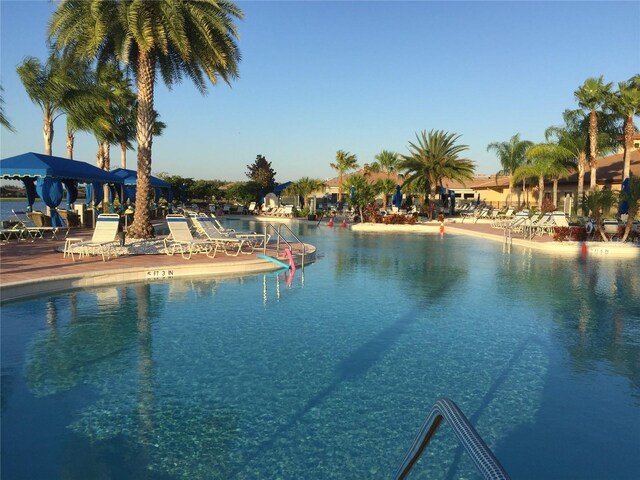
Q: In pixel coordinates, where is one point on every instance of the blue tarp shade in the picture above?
(31, 166)
(95, 194)
(279, 188)
(72, 192)
(130, 179)
(50, 191)
(39, 165)
(30, 187)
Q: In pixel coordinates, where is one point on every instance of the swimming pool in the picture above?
(332, 376)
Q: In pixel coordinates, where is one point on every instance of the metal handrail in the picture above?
(445, 409)
(280, 237)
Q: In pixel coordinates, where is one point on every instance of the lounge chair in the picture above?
(560, 219)
(34, 231)
(180, 239)
(231, 242)
(103, 242)
(252, 208)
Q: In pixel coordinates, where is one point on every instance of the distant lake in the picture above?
(7, 205)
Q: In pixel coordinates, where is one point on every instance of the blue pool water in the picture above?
(332, 376)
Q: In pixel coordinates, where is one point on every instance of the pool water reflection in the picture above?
(332, 376)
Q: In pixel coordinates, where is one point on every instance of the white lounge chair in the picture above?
(103, 242)
(231, 242)
(32, 230)
(181, 239)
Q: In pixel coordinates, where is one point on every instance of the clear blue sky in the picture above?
(317, 77)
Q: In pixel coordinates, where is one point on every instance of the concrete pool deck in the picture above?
(34, 268)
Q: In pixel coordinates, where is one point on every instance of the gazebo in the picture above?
(46, 175)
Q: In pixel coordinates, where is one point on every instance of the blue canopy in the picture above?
(130, 177)
(278, 189)
(39, 165)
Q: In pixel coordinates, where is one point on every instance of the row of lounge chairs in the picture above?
(211, 237)
(285, 211)
(535, 225)
(24, 228)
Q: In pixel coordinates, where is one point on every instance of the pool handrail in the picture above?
(280, 238)
(481, 455)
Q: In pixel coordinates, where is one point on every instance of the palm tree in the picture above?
(542, 164)
(386, 187)
(598, 204)
(593, 95)
(4, 121)
(50, 86)
(304, 187)
(434, 157)
(363, 192)
(511, 154)
(560, 164)
(631, 195)
(386, 161)
(626, 103)
(172, 37)
(345, 162)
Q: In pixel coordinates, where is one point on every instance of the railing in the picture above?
(445, 409)
(281, 238)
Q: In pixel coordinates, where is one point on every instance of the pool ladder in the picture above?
(281, 239)
(482, 457)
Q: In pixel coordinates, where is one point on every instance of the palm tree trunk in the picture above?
(123, 155)
(141, 226)
(540, 191)
(339, 188)
(582, 163)
(70, 142)
(628, 146)
(555, 192)
(593, 150)
(525, 195)
(47, 132)
(106, 165)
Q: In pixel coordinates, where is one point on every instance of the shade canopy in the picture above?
(130, 177)
(38, 165)
(279, 188)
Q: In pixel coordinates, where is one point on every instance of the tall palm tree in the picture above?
(173, 38)
(571, 141)
(593, 96)
(434, 156)
(4, 121)
(544, 162)
(626, 103)
(304, 187)
(386, 161)
(364, 192)
(345, 162)
(387, 187)
(511, 154)
(50, 86)
(631, 195)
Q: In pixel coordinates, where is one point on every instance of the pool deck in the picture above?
(34, 268)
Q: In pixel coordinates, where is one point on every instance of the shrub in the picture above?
(562, 234)
(547, 206)
(397, 219)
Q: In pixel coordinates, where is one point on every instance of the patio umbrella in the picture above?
(623, 208)
(398, 197)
